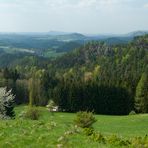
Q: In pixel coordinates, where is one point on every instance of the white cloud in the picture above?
(146, 5)
(63, 3)
(72, 15)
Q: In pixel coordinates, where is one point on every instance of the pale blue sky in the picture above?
(85, 16)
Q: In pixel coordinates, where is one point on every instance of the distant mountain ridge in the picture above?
(137, 33)
(53, 42)
(69, 37)
(132, 34)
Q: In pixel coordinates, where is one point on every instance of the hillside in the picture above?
(39, 44)
(113, 69)
(69, 37)
(73, 74)
(51, 44)
(106, 79)
(94, 51)
(137, 33)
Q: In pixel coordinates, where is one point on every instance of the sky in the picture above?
(83, 16)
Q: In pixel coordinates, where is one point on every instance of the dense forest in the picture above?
(106, 79)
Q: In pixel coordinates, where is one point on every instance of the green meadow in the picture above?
(50, 129)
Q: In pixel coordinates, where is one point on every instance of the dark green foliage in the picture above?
(10, 110)
(84, 119)
(108, 89)
(73, 97)
(67, 47)
(11, 74)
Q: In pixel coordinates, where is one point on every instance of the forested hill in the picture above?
(116, 65)
(93, 52)
(106, 79)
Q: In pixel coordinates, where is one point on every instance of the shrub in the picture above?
(132, 112)
(84, 119)
(114, 140)
(52, 107)
(32, 113)
(98, 137)
(6, 103)
(88, 131)
(140, 142)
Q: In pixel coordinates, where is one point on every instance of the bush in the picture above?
(88, 131)
(140, 142)
(132, 112)
(84, 119)
(6, 104)
(32, 113)
(114, 140)
(98, 137)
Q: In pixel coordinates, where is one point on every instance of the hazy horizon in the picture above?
(81, 16)
(64, 32)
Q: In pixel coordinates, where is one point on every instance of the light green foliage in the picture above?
(98, 137)
(140, 142)
(51, 53)
(117, 141)
(141, 99)
(97, 71)
(88, 131)
(37, 94)
(51, 105)
(132, 112)
(125, 58)
(85, 119)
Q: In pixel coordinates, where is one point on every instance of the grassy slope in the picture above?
(43, 133)
(127, 126)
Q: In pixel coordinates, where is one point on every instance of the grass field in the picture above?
(49, 129)
(50, 53)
